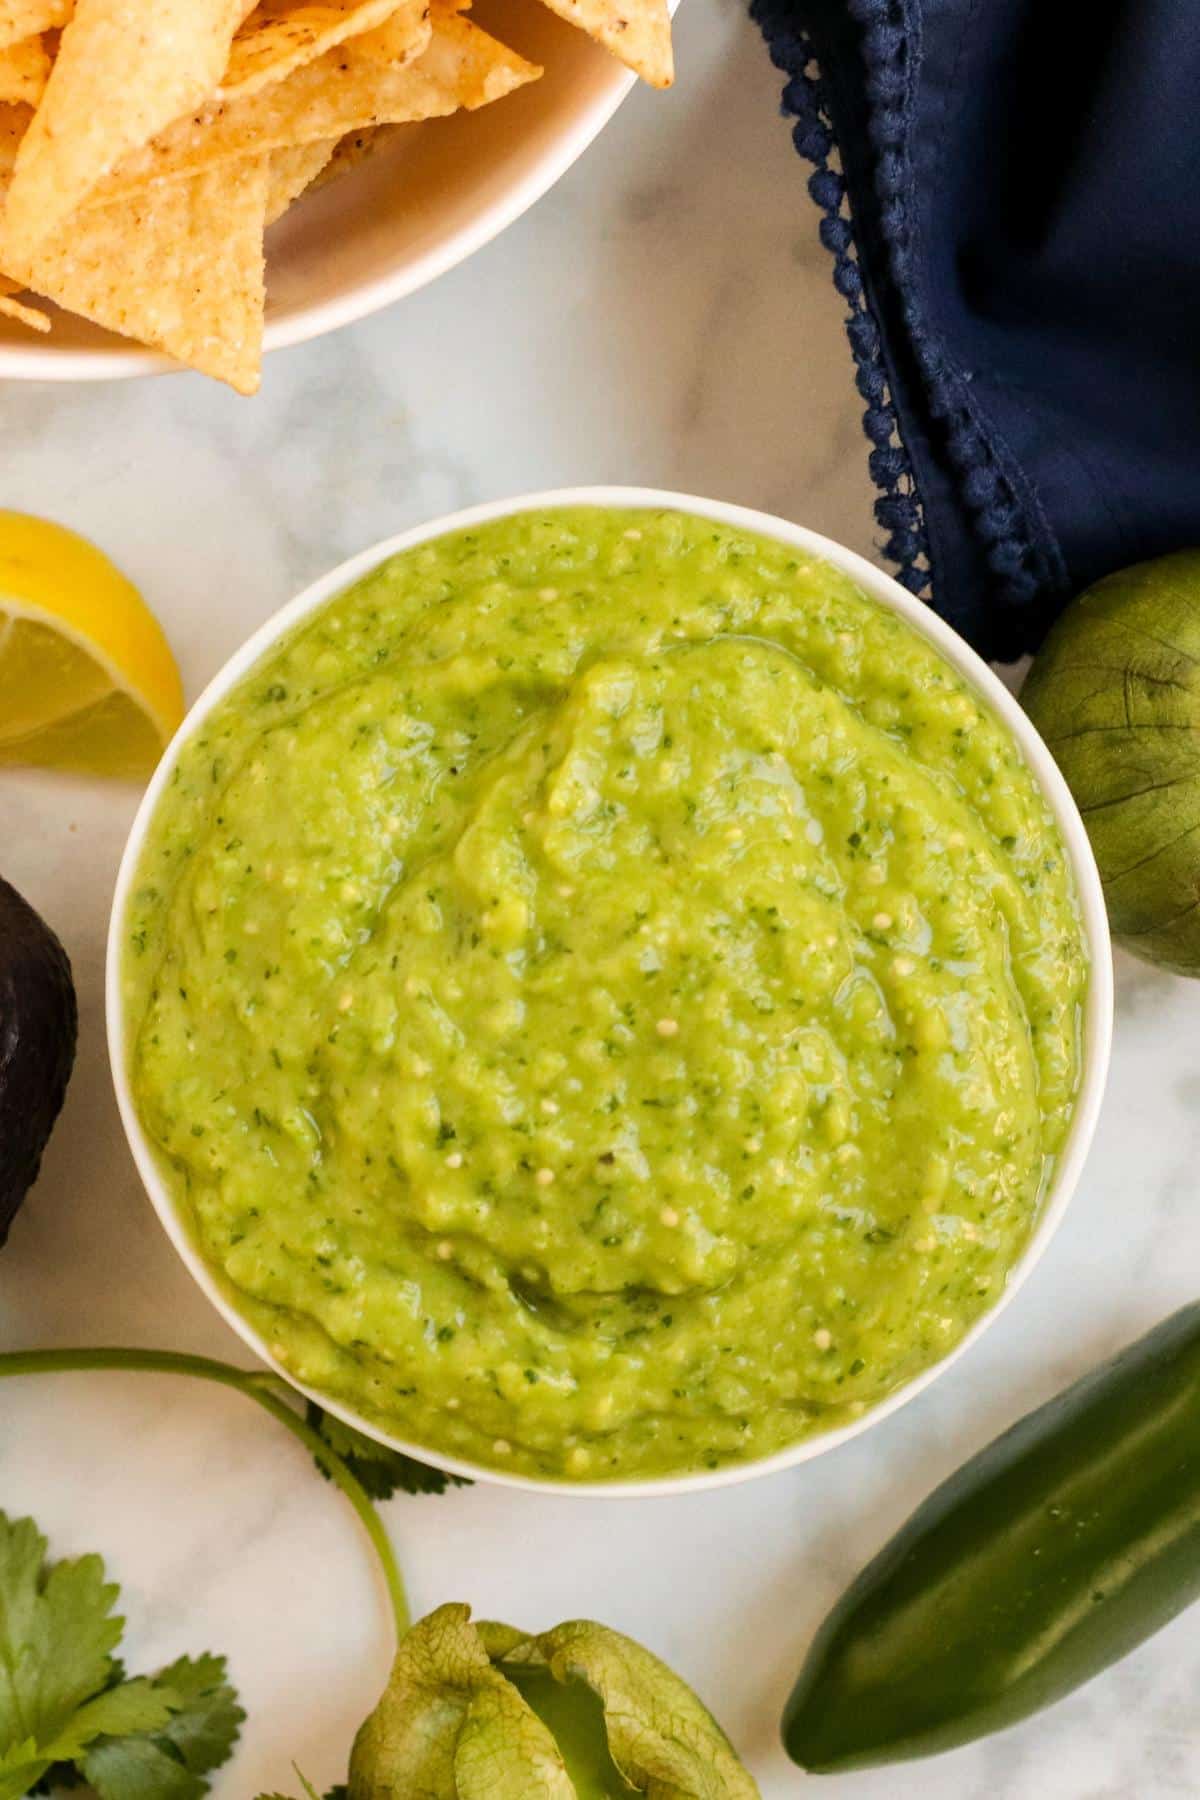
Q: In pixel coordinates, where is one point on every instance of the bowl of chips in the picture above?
(192, 182)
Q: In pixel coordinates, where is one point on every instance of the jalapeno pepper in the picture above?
(1048, 1556)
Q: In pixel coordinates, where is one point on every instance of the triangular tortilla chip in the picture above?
(329, 161)
(351, 150)
(14, 122)
(291, 171)
(391, 42)
(24, 67)
(636, 31)
(348, 89)
(25, 18)
(16, 309)
(282, 35)
(179, 267)
(125, 69)
(464, 60)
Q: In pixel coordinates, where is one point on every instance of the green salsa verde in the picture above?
(606, 995)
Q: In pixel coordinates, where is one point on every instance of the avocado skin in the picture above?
(38, 1028)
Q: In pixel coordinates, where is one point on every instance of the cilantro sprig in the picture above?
(274, 1395)
(67, 1709)
(68, 1712)
(171, 1763)
(382, 1472)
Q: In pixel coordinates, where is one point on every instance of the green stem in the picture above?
(260, 1386)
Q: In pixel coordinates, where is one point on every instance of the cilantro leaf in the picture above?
(65, 1774)
(20, 1768)
(60, 1687)
(138, 1768)
(170, 1760)
(66, 1707)
(382, 1472)
(57, 1634)
(138, 1705)
(204, 1726)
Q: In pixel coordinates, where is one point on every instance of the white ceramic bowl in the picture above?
(881, 587)
(438, 192)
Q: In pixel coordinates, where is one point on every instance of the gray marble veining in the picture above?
(664, 316)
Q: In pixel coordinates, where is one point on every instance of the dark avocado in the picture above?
(38, 1023)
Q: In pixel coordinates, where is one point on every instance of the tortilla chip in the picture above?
(20, 19)
(476, 68)
(346, 90)
(125, 69)
(179, 268)
(303, 166)
(291, 171)
(24, 67)
(351, 150)
(391, 42)
(16, 309)
(14, 123)
(636, 31)
(282, 35)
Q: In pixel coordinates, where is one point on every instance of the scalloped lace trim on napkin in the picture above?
(1023, 560)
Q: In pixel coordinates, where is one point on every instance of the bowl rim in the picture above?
(38, 360)
(879, 586)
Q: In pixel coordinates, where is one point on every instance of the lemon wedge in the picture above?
(87, 679)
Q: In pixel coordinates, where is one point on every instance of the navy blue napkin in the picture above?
(1011, 193)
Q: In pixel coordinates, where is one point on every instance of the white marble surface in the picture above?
(664, 316)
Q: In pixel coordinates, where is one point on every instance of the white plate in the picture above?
(1097, 1027)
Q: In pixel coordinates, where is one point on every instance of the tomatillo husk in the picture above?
(1115, 692)
(485, 1712)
